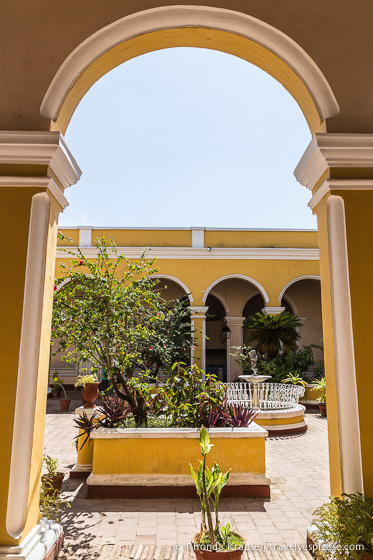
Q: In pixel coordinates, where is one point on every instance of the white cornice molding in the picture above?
(333, 150)
(40, 148)
(331, 185)
(174, 17)
(198, 254)
(46, 182)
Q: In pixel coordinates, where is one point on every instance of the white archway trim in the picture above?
(306, 277)
(239, 277)
(291, 303)
(247, 301)
(222, 301)
(173, 17)
(177, 281)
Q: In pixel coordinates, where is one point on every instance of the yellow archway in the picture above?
(194, 26)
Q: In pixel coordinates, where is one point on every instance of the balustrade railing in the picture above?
(270, 395)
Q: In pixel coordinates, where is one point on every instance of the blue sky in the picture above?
(188, 137)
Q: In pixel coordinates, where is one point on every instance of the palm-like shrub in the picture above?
(273, 333)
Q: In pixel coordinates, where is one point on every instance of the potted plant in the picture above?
(90, 385)
(294, 379)
(64, 403)
(343, 528)
(56, 386)
(53, 479)
(214, 539)
(320, 386)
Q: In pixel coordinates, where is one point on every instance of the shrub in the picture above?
(189, 396)
(344, 523)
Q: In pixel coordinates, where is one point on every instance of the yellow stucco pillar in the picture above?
(198, 325)
(34, 170)
(84, 460)
(338, 169)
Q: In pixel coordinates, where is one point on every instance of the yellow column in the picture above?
(198, 324)
(35, 167)
(84, 459)
(338, 169)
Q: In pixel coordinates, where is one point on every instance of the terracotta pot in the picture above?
(217, 555)
(64, 404)
(54, 394)
(322, 408)
(53, 482)
(90, 393)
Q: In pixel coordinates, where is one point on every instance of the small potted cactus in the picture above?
(214, 540)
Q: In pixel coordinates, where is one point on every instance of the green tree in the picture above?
(110, 313)
(273, 333)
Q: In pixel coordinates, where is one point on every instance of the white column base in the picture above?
(37, 544)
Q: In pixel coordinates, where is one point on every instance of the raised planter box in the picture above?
(309, 400)
(153, 463)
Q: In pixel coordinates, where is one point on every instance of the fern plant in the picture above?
(344, 527)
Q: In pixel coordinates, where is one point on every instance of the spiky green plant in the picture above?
(273, 333)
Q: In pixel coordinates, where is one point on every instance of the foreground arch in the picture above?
(337, 168)
(198, 26)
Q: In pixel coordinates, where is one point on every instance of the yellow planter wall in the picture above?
(169, 455)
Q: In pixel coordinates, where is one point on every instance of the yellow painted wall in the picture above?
(279, 421)
(199, 274)
(304, 239)
(358, 211)
(15, 206)
(146, 238)
(331, 390)
(173, 455)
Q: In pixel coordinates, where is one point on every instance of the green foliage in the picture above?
(294, 379)
(241, 355)
(51, 501)
(169, 339)
(209, 484)
(321, 386)
(272, 333)
(344, 523)
(289, 363)
(111, 314)
(51, 465)
(187, 396)
(81, 380)
(57, 382)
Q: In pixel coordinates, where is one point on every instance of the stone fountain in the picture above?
(254, 378)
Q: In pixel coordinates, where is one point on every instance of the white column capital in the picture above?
(198, 311)
(44, 149)
(327, 150)
(235, 321)
(272, 310)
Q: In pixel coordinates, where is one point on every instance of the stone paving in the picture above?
(102, 528)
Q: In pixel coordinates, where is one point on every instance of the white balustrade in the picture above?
(271, 396)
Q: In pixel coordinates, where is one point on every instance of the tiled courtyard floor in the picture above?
(109, 529)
